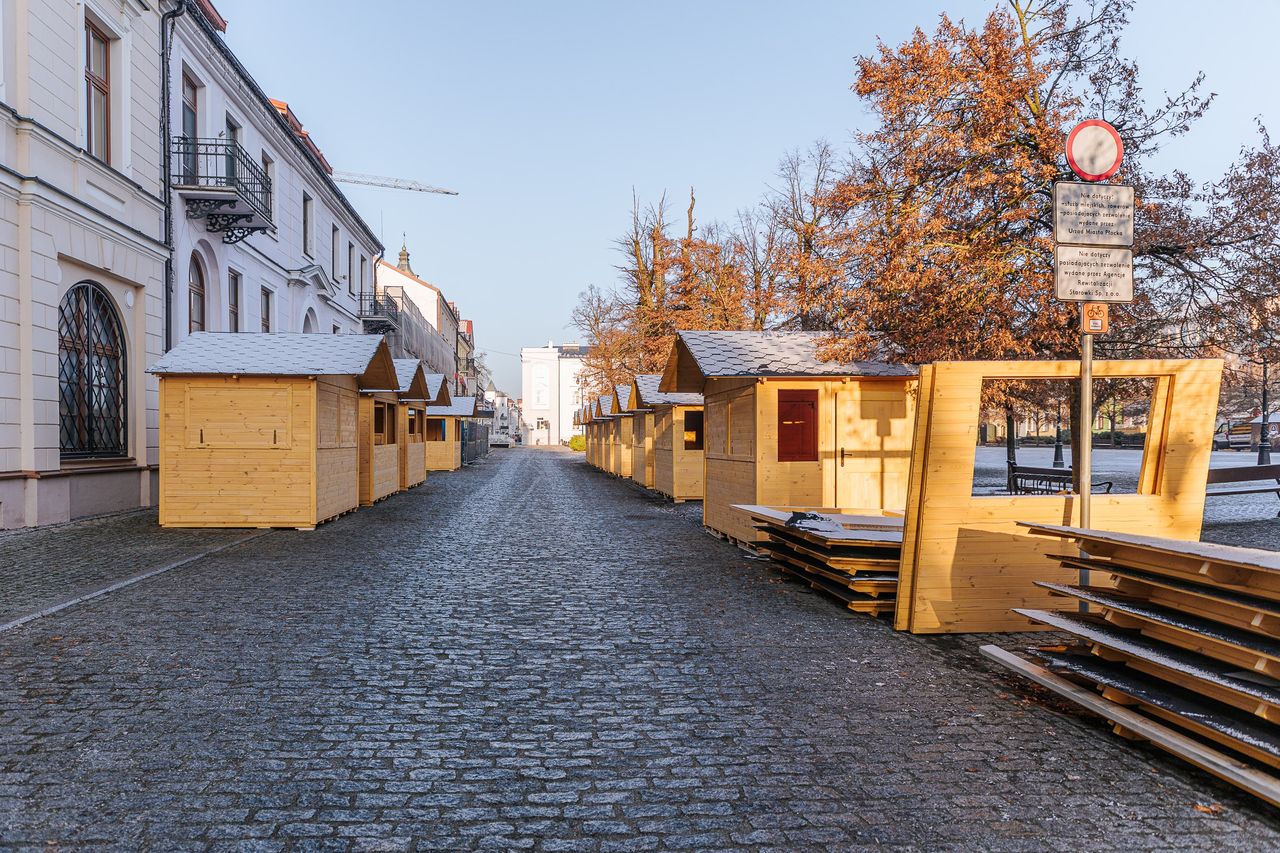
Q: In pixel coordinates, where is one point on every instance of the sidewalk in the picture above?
(48, 565)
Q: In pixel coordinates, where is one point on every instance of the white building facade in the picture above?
(263, 239)
(551, 389)
(82, 257)
(438, 344)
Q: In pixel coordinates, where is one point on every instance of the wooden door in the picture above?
(873, 434)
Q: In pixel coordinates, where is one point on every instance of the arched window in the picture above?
(195, 296)
(91, 375)
(309, 322)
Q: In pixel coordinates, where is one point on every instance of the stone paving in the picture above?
(42, 567)
(529, 655)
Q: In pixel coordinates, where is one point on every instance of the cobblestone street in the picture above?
(529, 655)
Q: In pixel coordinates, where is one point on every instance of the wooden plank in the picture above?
(1250, 779)
(1244, 733)
(1249, 692)
(1221, 642)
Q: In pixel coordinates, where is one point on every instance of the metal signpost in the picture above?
(1093, 264)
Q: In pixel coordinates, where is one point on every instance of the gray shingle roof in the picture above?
(461, 407)
(405, 369)
(775, 354)
(435, 381)
(270, 355)
(622, 398)
(647, 385)
(605, 405)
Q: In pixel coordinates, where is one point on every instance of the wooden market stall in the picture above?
(261, 430)
(444, 433)
(641, 435)
(673, 428)
(381, 432)
(604, 431)
(786, 429)
(620, 425)
(417, 391)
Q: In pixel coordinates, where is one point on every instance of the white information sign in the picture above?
(1093, 214)
(1093, 274)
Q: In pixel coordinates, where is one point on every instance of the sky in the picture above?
(547, 116)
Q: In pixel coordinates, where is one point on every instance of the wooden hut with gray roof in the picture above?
(786, 429)
(417, 390)
(261, 430)
(620, 432)
(669, 429)
(444, 433)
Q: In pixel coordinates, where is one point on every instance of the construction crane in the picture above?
(390, 183)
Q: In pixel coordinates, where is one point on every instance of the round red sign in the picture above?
(1094, 150)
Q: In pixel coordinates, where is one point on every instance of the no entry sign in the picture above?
(1094, 150)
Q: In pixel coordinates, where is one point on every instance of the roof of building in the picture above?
(412, 381)
(459, 407)
(283, 354)
(698, 355)
(621, 399)
(437, 388)
(647, 394)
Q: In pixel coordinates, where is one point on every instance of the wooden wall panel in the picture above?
(965, 563)
(266, 481)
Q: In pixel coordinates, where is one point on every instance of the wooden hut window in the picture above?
(415, 426)
(693, 430)
(384, 423)
(797, 426)
(435, 429)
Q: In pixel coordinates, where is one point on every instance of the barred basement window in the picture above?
(92, 380)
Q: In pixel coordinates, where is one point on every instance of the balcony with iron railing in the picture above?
(222, 184)
(389, 311)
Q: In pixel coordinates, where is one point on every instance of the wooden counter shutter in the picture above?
(797, 425)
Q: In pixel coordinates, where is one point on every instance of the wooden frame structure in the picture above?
(785, 429)
(261, 430)
(444, 433)
(642, 461)
(965, 563)
(674, 452)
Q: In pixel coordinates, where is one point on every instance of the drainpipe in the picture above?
(167, 22)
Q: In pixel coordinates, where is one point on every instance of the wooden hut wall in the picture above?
(677, 462)
(444, 445)
(379, 446)
(338, 450)
(413, 447)
(965, 561)
(242, 452)
(850, 446)
(642, 460)
(625, 438)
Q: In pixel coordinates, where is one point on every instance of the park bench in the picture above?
(1263, 479)
(1029, 480)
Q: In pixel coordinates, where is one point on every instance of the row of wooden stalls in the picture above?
(653, 437)
(290, 430)
(858, 479)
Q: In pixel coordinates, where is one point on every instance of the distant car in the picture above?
(500, 439)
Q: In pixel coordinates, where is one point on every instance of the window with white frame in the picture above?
(97, 91)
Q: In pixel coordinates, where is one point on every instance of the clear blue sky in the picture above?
(545, 115)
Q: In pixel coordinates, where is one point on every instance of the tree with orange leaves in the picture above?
(948, 237)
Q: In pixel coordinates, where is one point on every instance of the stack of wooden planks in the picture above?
(1169, 632)
(852, 557)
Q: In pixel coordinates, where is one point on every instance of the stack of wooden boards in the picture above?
(852, 557)
(1189, 635)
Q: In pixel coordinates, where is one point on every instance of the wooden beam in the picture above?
(1256, 782)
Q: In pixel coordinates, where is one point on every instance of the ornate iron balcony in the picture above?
(221, 183)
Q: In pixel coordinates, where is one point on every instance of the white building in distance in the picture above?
(82, 257)
(551, 389)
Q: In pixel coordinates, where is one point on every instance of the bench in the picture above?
(1265, 478)
(1029, 480)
